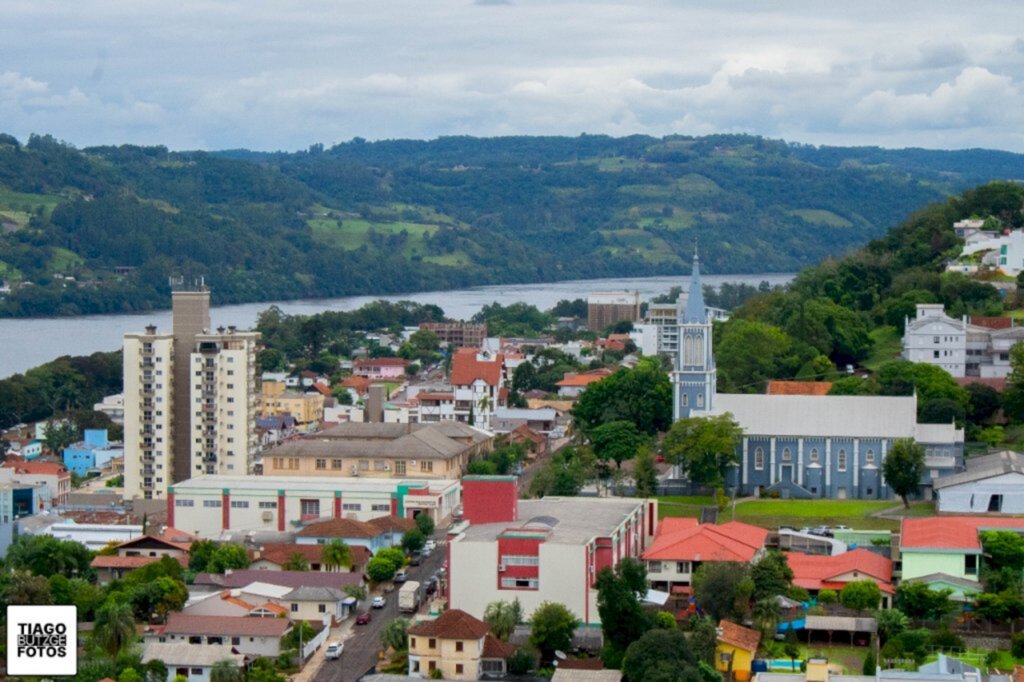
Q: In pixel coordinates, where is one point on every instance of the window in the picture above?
(995, 503)
(700, 400)
(869, 457)
(309, 507)
(970, 564)
(400, 468)
(432, 643)
(239, 504)
(841, 460)
(458, 647)
(432, 665)
(520, 583)
(814, 454)
(321, 464)
(686, 400)
(322, 608)
(236, 640)
(293, 462)
(354, 506)
(195, 640)
(364, 465)
(458, 666)
(935, 353)
(759, 459)
(379, 465)
(336, 463)
(184, 503)
(787, 455)
(520, 560)
(380, 507)
(211, 503)
(197, 671)
(278, 462)
(295, 607)
(935, 339)
(426, 467)
(684, 567)
(268, 505)
(412, 642)
(654, 567)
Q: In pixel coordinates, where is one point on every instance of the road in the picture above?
(361, 649)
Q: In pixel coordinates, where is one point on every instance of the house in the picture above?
(681, 545)
(815, 572)
(267, 503)
(357, 387)
(574, 383)
(53, 475)
(549, 549)
(244, 578)
(94, 536)
(380, 368)
(991, 484)
(257, 600)
(375, 534)
(458, 645)
(92, 454)
(142, 551)
(191, 662)
(947, 549)
(507, 419)
(478, 382)
(378, 450)
(112, 406)
(735, 649)
(944, 669)
(965, 347)
(304, 408)
(273, 557)
(536, 443)
(246, 635)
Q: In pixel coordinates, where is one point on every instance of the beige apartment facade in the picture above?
(306, 408)
(148, 413)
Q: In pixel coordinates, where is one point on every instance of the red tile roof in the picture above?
(799, 387)
(495, 648)
(815, 572)
(392, 524)
(44, 468)
(181, 624)
(738, 636)
(998, 384)
(435, 396)
(129, 562)
(584, 378)
(466, 369)
(951, 532)
(686, 540)
(339, 528)
(453, 624)
(321, 389)
(1000, 322)
(360, 384)
(172, 537)
(281, 553)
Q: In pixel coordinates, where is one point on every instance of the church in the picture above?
(801, 446)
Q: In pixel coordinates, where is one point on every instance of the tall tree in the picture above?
(861, 595)
(660, 656)
(645, 473)
(903, 468)
(503, 617)
(115, 626)
(296, 562)
(395, 634)
(617, 441)
(723, 589)
(642, 395)
(623, 619)
(704, 447)
(772, 575)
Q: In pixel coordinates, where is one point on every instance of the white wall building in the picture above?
(209, 505)
(992, 484)
(957, 346)
(148, 413)
(1005, 252)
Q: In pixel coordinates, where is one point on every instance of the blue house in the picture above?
(91, 454)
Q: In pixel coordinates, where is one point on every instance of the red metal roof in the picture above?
(815, 572)
(45, 468)
(686, 540)
(951, 532)
(584, 378)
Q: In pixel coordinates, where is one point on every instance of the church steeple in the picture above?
(694, 379)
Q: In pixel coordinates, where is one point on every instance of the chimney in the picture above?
(490, 499)
(151, 329)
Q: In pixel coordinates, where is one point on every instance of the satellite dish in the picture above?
(560, 655)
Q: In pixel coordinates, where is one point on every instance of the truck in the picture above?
(409, 597)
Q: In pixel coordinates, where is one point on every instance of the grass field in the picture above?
(797, 513)
(888, 345)
(820, 217)
(351, 233)
(17, 207)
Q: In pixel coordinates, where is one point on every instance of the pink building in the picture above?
(380, 368)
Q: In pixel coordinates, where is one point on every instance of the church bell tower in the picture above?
(693, 381)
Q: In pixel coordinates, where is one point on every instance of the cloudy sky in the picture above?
(280, 74)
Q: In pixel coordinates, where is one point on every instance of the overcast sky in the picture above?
(216, 74)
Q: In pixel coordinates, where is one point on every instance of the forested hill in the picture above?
(406, 215)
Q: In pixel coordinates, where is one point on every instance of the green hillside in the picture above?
(408, 215)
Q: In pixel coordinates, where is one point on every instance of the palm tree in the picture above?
(335, 555)
(296, 562)
(767, 614)
(395, 634)
(503, 617)
(115, 626)
(225, 671)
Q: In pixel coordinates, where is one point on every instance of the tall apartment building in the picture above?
(224, 402)
(190, 399)
(458, 334)
(608, 307)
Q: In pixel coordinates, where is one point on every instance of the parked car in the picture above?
(840, 527)
(363, 618)
(823, 531)
(379, 602)
(426, 551)
(416, 559)
(334, 650)
(430, 545)
(401, 576)
(430, 587)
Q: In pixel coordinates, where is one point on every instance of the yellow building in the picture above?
(735, 650)
(305, 408)
(458, 645)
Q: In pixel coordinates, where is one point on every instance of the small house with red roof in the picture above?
(478, 382)
(143, 551)
(245, 634)
(275, 556)
(574, 383)
(735, 649)
(457, 645)
(681, 545)
(815, 572)
(941, 548)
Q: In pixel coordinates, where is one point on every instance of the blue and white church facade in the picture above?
(803, 446)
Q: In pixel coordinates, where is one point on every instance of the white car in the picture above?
(379, 602)
(429, 546)
(334, 650)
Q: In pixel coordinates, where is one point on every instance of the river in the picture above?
(26, 343)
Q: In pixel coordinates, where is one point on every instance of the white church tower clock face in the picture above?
(693, 379)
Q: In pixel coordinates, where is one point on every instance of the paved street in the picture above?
(363, 645)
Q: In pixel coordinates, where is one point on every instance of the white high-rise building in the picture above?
(190, 400)
(224, 403)
(148, 413)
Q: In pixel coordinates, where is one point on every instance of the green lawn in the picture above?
(797, 513)
(351, 233)
(887, 346)
(820, 217)
(682, 506)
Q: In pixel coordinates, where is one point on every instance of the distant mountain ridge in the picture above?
(407, 215)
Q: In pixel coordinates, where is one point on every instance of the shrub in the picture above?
(828, 597)
(1017, 645)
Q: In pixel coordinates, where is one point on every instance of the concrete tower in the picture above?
(190, 318)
